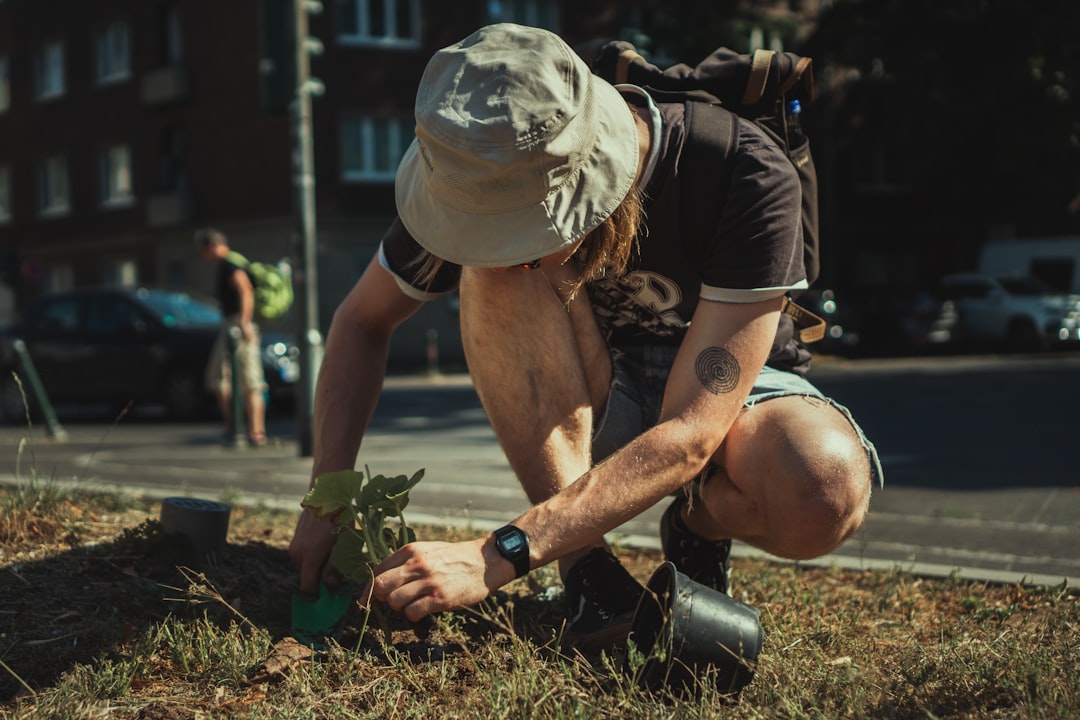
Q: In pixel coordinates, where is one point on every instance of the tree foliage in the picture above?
(689, 30)
(976, 101)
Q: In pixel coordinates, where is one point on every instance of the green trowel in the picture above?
(315, 620)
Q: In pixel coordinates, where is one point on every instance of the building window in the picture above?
(535, 13)
(116, 186)
(174, 46)
(5, 85)
(372, 148)
(122, 273)
(53, 187)
(113, 53)
(379, 22)
(5, 194)
(49, 71)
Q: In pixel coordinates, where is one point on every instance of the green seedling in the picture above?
(361, 505)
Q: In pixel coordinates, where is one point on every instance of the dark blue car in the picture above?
(115, 345)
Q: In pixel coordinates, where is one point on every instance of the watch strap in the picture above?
(513, 544)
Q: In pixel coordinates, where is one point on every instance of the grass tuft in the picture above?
(110, 619)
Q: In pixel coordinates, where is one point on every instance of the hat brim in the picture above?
(568, 213)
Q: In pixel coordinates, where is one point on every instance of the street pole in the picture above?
(309, 337)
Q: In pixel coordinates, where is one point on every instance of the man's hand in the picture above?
(423, 578)
(309, 551)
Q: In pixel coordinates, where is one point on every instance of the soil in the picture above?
(79, 588)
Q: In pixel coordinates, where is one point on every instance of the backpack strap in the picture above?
(802, 72)
(706, 161)
(759, 76)
(622, 65)
(237, 259)
(758, 79)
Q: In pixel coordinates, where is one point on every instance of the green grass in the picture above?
(99, 622)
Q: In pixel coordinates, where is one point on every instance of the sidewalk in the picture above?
(1011, 535)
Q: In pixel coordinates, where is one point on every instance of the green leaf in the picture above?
(349, 557)
(388, 495)
(333, 492)
(367, 504)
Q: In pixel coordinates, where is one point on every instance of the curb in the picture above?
(1067, 584)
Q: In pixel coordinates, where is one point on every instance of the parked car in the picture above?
(1014, 312)
(115, 345)
(897, 321)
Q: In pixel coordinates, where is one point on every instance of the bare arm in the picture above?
(348, 388)
(725, 348)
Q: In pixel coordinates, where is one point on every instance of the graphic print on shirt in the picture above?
(639, 299)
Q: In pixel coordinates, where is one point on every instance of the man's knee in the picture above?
(824, 503)
(802, 474)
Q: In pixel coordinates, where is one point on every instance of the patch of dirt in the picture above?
(81, 594)
(89, 586)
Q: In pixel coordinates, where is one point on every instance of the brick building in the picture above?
(126, 124)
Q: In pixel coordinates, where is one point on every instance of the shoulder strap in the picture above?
(705, 162)
(237, 259)
(759, 77)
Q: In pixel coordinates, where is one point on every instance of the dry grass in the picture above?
(99, 618)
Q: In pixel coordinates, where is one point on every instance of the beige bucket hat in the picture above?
(520, 150)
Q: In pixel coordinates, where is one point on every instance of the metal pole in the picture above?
(54, 428)
(309, 337)
(239, 414)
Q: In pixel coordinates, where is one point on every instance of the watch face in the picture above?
(512, 543)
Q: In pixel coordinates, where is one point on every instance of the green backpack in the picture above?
(273, 285)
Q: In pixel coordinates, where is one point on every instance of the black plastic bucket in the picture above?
(690, 633)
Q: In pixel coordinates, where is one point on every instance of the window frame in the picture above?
(104, 49)
(53, 175)
(49, 59)
(498, 11)
(5, 194)
(112, 195)
(5, 83)
(400, 132)
(363, 36)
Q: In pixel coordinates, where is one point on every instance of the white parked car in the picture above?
(1017, 312)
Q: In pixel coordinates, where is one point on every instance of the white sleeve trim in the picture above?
(715, 294)
(403, 285)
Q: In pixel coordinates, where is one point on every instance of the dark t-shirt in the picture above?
(227, 295)
(755, 254)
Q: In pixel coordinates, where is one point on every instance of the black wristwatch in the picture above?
(513, 544)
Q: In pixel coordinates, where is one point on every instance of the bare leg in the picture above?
(256, 413)
(791, 478)
(541, 370)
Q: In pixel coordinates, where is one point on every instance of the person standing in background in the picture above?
(236, 295)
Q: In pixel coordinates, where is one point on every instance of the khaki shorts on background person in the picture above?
(248, 360)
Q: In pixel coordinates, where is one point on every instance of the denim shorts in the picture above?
(639, 376)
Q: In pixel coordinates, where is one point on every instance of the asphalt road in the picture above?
(979, 455)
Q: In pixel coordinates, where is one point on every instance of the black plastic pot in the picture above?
(203, 523)
(690, 633)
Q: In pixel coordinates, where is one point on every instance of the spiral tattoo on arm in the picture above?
(717, 370)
